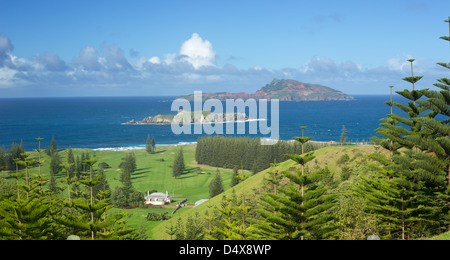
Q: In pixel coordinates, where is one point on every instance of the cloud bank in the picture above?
(198, 52)
(108, 71)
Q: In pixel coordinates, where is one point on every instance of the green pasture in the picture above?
(154, 171)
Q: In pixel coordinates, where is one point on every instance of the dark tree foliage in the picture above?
(128, 166)
(300, 211)
(178, 164)
(7, 157)
(228, 152)
(410, 198)
(150, 145)
(216, 185)
(29, 211)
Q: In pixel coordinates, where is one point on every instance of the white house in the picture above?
(157, 198)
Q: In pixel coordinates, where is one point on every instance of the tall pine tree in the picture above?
(178, 164)
(216, 185)
(148, 145)
(302, 210)
(416, 190)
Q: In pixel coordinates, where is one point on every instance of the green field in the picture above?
(154, 172)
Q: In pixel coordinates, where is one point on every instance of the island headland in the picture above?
(283, 90)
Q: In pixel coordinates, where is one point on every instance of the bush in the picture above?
(158, 216)
(343, 159)
(103, 165)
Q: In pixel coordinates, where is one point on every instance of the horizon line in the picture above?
(168, 96)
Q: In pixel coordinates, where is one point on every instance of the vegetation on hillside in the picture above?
(230, 152)
(284, 90)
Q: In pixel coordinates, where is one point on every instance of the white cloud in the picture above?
(399, 63)
(6, 48)
(169, 58)
(5, 44)
(115, 60)
(88, 59)
(193, 68)
(321, 65)
(142, 63)
(51, 62)
(198, 52)
(154, 60)
(6, 77)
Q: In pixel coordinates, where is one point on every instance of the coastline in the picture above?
(141, 147)
(136, 147)
(204, 123)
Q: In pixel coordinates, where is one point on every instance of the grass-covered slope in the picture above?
(154, 171)
(331, 157)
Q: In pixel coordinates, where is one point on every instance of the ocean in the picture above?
(98, 122)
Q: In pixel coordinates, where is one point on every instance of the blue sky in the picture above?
(134, 48)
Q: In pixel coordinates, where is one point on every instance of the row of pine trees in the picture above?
(229, 152)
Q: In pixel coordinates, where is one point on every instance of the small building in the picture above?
(199, 202)
(157, 198)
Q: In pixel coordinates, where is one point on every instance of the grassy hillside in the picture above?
(443, 236)
(328, 156)
(154, 172)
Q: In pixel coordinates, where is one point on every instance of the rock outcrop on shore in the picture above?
(189, 118)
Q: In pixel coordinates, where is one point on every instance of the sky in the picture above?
(74, 48)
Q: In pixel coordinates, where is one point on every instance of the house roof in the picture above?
(157, 195)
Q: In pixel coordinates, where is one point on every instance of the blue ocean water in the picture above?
(97, 122)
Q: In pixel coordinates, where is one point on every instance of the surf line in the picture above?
(255, 112)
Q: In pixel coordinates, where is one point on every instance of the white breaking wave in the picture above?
(119, 148)
(207, 123)
(140, 147)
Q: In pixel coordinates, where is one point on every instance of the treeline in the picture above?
(7, 156)
(229, 152)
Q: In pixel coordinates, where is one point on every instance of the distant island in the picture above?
(284, 90)
(207, 117)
